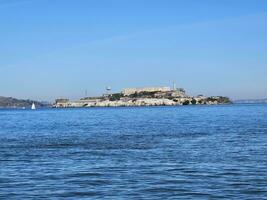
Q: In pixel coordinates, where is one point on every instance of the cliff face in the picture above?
(9, 102)
(143, 98)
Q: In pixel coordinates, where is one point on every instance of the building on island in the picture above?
(159, 92)
(62, 103)
(129, 91)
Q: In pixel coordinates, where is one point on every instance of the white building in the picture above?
(129, 91)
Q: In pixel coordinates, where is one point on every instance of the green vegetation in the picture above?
(200, 102)
(115, 97)
(224, 100)
(9, 102)
(219, 99)
(212, 99)
(194, 102)
(143, 95)
(187, 102)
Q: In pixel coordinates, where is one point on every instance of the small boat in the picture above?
(33, 106)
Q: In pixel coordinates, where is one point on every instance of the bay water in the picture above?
(182, 152)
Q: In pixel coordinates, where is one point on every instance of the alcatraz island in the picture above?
(147, 96)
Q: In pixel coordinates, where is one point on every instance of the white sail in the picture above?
(33, 106)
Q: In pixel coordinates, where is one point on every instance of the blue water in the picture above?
(188, 152)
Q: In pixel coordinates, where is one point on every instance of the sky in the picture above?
(59, 48)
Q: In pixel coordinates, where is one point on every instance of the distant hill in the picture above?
(251, 101)
(9, 102)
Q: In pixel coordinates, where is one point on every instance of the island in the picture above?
(147, 96)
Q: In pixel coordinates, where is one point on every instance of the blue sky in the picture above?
(56, 48)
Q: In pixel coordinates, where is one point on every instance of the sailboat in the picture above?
(33, 106)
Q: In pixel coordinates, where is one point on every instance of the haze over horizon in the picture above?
(53, 49)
